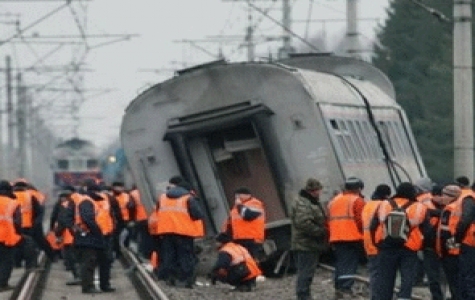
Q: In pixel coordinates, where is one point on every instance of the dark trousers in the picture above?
(71, 260)
(105, 259)
(373, 265)
(450, 264)
(88, 262)
(26, 250)
(467, 272)
(347, 255)
(391, 260)
(306, 263)
(433, 270)
(177, 258)
(6, 264)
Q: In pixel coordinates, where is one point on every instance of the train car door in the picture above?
(209, 181)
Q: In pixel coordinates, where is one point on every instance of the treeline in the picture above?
(415, 51)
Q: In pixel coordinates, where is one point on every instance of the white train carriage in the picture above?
(269, 126)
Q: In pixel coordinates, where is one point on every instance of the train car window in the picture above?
(369, 155)
(401, 136)
(383, 127)
(76, 164)
(92, 163)
(357, 141)
(373, 140)
(63, 164)
(341, 145)
(348, 141)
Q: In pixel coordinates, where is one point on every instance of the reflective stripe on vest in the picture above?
(253, 229)
(341, 219)
(173, 217)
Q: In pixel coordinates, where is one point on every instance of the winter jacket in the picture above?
(309, 224)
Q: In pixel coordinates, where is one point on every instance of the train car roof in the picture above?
(324, 79)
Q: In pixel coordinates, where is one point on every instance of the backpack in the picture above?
(397, 224)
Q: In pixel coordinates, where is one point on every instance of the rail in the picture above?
(30, 285)
(143, 281)
(364, 280)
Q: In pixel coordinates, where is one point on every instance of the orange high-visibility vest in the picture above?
(254, 229)
(98, 213)
(106, 214)
(173, 217)
(469, 236)
(8, 235)
(341, 218)
(240, 254)
(153, 222)
(123, 199)
(415, 214)
(52, 241)
(449, 227)
(140, 213)
(26, 203)
(369, 211)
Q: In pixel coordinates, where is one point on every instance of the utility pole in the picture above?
(10, 120)
(287, 26)
(352, 39)
(463, 89)
(21, 126)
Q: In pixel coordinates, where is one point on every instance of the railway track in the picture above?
(129, 276)
(134, 281)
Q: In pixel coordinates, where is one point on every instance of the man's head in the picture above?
(450, 193)
(354, 184)
(313, 187)
(406, 190)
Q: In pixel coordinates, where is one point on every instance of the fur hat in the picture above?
(462, 181)
(382, 191)
(353, 183)
(313, 184)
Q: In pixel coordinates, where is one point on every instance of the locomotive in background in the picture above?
(269, 126)
(75, 160)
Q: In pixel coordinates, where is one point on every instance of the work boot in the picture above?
(74, 281)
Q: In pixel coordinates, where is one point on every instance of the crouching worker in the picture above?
(234, 266)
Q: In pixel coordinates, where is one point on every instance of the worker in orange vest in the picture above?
(370, 226)
(91, 226)
(32, 218)
(446, 247)
(179, 223)
(401, 218)
(125, 223)
(346, 234)
(428, 193)
(10, 232)
(138, 215)
(234, 265)
(246, 223)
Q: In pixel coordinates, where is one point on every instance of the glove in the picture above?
(451, 244)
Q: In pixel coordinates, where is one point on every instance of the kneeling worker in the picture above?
(234, 265)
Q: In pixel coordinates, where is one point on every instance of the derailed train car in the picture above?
(269, 126)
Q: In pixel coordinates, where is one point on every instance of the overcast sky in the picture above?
(116, 71)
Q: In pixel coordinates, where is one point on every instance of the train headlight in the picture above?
(112, 159)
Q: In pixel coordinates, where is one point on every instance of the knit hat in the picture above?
(382, 191)
(451, 190)
(353, 183)
(423, 185)
(313, 184)
(243, 190)
(406, 190)
(462, 181)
